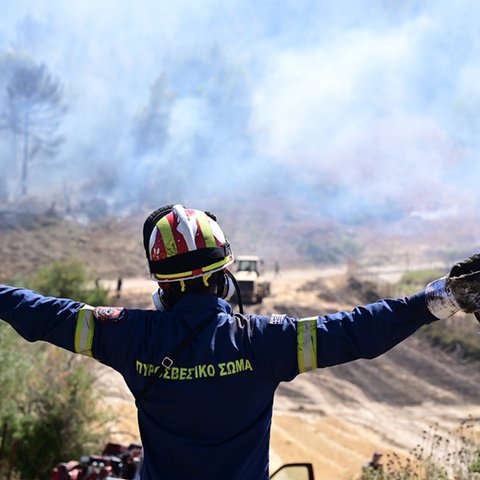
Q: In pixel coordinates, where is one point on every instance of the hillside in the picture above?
(334, 418)
(108, 248)
(112, 246)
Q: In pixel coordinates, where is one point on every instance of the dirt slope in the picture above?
(336, 417)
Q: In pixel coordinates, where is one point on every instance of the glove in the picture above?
(459, 290)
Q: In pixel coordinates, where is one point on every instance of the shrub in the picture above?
(15, 359)
(50, 404)
(61, 417)
(416, 280)
(67, 279)
(438, 457)
(58, 415)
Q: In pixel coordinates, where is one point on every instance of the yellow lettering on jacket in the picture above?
(204, 370)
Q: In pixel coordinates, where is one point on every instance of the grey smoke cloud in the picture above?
(376, 101)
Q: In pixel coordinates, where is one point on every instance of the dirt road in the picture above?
(337, 417)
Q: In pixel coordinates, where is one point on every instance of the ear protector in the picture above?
(158, 299)
(226, 287)
(225, 290)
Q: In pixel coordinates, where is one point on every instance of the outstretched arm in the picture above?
(290, 346)
(36, 317)
(295, 346)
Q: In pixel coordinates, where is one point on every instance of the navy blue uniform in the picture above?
(209, 416)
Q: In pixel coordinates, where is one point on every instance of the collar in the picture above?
(200, 301)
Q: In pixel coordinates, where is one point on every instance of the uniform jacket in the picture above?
(209, 416)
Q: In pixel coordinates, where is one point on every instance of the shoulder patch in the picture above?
(276, 319)
(110, 314)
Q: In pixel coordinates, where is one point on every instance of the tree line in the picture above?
(35, 103)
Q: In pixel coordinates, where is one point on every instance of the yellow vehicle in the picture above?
(250, 275)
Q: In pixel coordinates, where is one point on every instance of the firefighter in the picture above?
(204, 377)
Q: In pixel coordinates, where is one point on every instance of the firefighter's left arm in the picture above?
(295, 345)
(367, 331)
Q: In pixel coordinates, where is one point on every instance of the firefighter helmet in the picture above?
(182, 243)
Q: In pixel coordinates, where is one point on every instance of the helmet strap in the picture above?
(231, 285)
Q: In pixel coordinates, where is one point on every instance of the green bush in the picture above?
(15, 359)
(57, 414)
(61, 419)
(67, 279)
(416, 277)
(416, 280)
(49, 411)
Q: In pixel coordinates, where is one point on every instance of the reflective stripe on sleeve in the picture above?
(307, 343)
(84, 331)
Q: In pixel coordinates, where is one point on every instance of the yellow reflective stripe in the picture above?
(186, 275)
(167, 236)
(206, 230)
(84, 331)
(307, 343)
(216, 265)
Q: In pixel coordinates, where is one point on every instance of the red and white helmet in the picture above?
(182, 243)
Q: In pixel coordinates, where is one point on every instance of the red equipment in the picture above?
(116, 461)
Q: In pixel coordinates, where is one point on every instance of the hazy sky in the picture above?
(376, 99)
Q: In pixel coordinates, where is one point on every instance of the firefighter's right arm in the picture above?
(100, 332)
(36, 317)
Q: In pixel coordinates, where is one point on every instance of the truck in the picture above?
(250, 276)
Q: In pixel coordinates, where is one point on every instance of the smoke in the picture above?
(354, 109)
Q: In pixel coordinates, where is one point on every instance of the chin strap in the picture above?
(230, 276)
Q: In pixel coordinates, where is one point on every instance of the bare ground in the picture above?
(335, 418)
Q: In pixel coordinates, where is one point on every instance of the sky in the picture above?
(368, 105)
